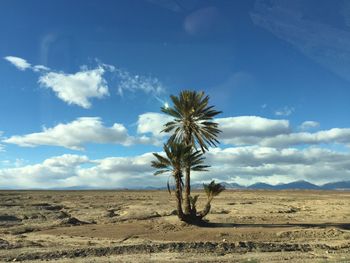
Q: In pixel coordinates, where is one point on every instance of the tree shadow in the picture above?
(344, 226)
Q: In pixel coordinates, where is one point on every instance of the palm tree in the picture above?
(213, 189)
(177, 155)
(193, 125)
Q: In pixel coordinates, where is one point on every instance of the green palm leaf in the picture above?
(193, 122)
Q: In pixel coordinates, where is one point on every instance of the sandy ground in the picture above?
(141, 226)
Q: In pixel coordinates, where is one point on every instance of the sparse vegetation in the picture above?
(192, 128)
(213, 189)
(177, 155)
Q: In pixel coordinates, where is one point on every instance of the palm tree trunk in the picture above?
(178, 195)
(206, 209)
(187, 203)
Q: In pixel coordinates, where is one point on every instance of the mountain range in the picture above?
(301, 185)
(297, 185)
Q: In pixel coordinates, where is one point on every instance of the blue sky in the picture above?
(82, 84)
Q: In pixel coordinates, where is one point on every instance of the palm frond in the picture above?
(194, 119)
(213, 189)
(200, 168)
(161, 172)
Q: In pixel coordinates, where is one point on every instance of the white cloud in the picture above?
(53, 172)
(252, 164)
(130, 172)
(285, 111)
(134, 83)
(66, 160)
(22, 64)
(152, 122)
(253, 130)
(75, 134)
(77, 88)
(40, 68)
(250, 129)
(335, 135)
(68, 171)
(254, 156)
(19, 63)
(252, 126)
(306, 125)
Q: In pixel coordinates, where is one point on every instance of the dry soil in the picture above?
(141, 226)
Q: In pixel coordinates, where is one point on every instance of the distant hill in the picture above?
(234, 186)
(261, 186)
(302, 185)
(297, 185)
(337, 186)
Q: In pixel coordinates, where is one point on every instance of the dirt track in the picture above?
(140, 226)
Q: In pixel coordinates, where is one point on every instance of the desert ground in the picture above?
(142, 226)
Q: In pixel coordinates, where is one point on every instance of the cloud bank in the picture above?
(85, 130)
(236, 131)
(245, 165)
(75, 134)
(256, 149)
